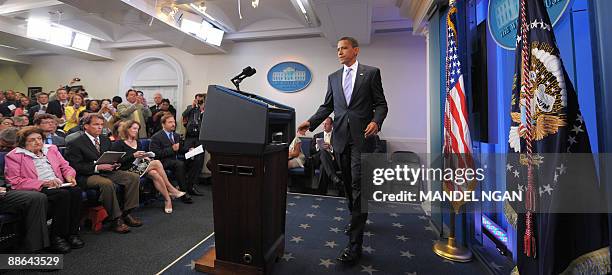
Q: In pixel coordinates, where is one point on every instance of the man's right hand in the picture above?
(304, 126)
(175, 147)
(106, 167)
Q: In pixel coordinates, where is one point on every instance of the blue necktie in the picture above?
(171, 137)
(348, 86)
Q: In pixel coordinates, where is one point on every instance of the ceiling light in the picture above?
(81, 41)
(190, 26)
(215, 36)
(299, 2)
(255, 3)
(205, 29)
(39, 29)
(61, 36)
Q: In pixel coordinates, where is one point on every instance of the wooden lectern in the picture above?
(247, 137)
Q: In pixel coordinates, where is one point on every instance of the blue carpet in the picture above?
(398, 240)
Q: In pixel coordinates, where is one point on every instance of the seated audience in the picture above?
(108, 112)
(32, 206)
(116, 101)
(21, 121)
(48, 124)
(71, 93)
(157, 98)
(35, 166)
(134, 109)
(296, 156)
(324, 157)
(74, 108)
(23, 106)
(83, 152)
(7, 108)
(115, 131)
(77, 131)
(45, 107)
(128, 132)
(8, 139)
(92, 106)
(166, 146)
(154, 121)
(6, 122)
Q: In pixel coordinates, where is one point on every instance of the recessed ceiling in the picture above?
(129, 24)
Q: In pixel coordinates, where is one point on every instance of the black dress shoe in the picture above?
(59, 245)
(350, 255)
(194, 192)
(347, 228)
(75, 242)
(186, 199)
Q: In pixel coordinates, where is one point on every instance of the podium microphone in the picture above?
(246, 72)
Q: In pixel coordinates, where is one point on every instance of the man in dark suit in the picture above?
(83, 152)
(355, 96)
(323, 158)
(45, 107)
(157, 98)
(48, 123)
(167, 147)
(7, 108)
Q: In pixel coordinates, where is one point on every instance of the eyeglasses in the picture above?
(7, 123)
(31, 140)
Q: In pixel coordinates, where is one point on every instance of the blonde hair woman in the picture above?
(75, 106)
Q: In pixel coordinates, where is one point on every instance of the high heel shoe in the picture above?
(168, 210)
(178, 195)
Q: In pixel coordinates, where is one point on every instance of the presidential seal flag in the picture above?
(561, 225)
(457, 140)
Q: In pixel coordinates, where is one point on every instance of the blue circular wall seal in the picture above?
(503, 16)
(289, 77)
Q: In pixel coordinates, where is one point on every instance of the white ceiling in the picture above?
(128, 24)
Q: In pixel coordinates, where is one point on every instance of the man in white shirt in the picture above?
(323, 157)
(45, 107)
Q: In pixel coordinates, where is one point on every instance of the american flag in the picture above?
(457, 140)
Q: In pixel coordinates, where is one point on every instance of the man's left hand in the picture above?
(371, 130)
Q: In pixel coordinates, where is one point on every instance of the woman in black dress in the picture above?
(128, 143)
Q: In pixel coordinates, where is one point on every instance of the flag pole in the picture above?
(450, 250)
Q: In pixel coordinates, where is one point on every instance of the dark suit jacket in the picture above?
(4, 109)
(367, 104)
(162, 146)
(313, 143)
(53, 107)
(81, 154)
(154, 109)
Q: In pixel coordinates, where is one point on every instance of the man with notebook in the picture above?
(83, 154)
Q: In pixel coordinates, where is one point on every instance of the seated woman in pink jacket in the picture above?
(36, 166)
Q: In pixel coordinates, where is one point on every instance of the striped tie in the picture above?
(97, 141)
(348, 86)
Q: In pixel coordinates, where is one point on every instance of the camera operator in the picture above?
(192, 120)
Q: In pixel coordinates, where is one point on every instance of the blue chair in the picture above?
(303, 176)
